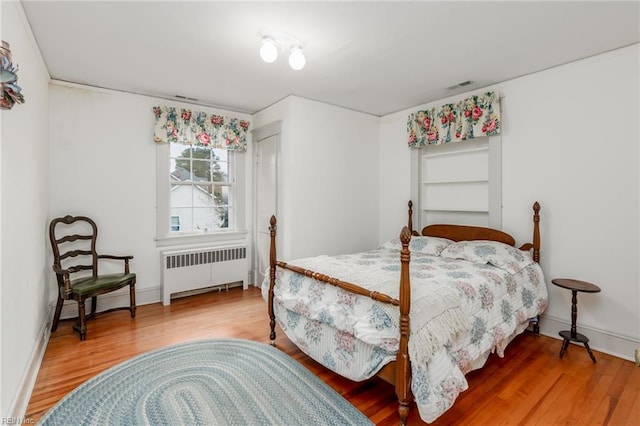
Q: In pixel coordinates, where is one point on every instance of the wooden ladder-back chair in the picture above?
(73, 240)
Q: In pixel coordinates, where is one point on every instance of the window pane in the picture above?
(222, 215)
(221, 195)
(221, 154)
(201, 152)
(211, 219)
(220, 166)
(220, 171)
(180, 170)
(181, 196)
(180, 162)
(201, 170)
(184, 219)
(205, 219)
(202, 195)
(179, 150)
(201, 164)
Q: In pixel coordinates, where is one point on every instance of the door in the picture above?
(266, 173)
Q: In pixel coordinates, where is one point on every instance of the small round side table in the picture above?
(573, 336)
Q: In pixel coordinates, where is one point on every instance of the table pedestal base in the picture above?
(567, 337)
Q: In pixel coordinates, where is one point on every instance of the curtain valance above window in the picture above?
(473, 117)
(179, 125)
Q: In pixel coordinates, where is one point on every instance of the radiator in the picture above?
(187, 270)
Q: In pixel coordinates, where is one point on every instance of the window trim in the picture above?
(208, 238)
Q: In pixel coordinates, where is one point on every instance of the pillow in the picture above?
(432, 246)
(500, 255)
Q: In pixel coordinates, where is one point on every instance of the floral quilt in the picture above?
(497, 288)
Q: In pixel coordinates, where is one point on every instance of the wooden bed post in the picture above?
(410, 221)
(272, 279)
(403, 363)
(536, 232)
(536, 253)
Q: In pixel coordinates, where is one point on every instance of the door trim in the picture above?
(261, 133)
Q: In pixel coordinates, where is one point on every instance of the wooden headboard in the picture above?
(467, 233)
(470, 233)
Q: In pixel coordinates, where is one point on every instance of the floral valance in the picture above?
(469, 118)
(179, 125)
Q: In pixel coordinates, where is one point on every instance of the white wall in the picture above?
(23, 217)
(328, 180)
(103, 165)
(570, 140)
(394, 177)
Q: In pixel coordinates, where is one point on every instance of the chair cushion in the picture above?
(83, 286)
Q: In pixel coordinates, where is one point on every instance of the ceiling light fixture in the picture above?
(274, 42)
(296, 59)
(268, 51)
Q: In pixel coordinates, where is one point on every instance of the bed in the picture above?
(420, 311)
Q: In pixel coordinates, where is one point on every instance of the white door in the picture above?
(266, 196)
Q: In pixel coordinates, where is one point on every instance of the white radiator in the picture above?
(186, 270)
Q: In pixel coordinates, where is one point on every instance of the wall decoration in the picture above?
(10, 91)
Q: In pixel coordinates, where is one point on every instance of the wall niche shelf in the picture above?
(461, 183)
(449, 182)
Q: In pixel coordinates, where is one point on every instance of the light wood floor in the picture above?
(529, 386)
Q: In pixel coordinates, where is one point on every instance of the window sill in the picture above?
(209, 239)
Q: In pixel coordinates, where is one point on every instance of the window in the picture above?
(201, 168)
(202, 189)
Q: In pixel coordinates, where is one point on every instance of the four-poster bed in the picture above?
(371, 329)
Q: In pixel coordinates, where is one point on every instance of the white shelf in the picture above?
(450, 153)
(447, 209)
(448, 182)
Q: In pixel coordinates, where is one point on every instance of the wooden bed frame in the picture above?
(398, 372)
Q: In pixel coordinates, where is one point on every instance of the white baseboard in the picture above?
(604, 341)
(21, 400)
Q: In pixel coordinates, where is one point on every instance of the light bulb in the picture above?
(268, 51)
(296, 59)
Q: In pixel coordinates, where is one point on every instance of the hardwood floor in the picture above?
(529, 386)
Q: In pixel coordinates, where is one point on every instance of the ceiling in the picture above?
(375, 57)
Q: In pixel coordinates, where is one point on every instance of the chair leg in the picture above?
(94, 303)
(56, 315)
(132, 299)
(82, 329)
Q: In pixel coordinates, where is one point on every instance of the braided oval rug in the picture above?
(207, 382)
